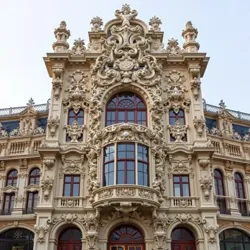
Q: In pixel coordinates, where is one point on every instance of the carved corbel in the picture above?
(41, 232)
(206, 186)
(211, 232)
(199, 125)
(46, 185)
(53, 124)
(204, 162)
(49, 162)
(195, 87)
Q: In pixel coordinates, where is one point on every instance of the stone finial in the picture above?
(189, 35)
(96, 24)
(78, 48)
(222, 104)
(30, 102)
(173, 48)
(62, 35)
(125, 14)
(155, 23)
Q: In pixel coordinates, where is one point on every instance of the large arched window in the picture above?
(70, 239)
(182, 239)
(240, 193)
(18, 238)
(12, 178)
(34, 176)
(131, 160)
(232, 239)
(126, 237)
(220, 192)
(126, 107)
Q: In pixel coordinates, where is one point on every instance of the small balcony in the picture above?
(69, 202)
(126, 195)
(183, 202)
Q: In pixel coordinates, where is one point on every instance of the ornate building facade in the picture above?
(126, 155)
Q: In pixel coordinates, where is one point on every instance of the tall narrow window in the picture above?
(34, 176)
(8, 203)
(78, 117)
(126, 107)
(71, 185)
(31, 202)
(219, 191)
(240, 193)
(176, 116)
(130, 166)
(181, 185)
(12, 178)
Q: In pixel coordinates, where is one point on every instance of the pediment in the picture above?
(225, 114)
(29, 111)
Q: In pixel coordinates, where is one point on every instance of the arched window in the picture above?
(18, 238)
(219, 191)
(12, 178)
(176, 116)
(182, 238)
(240, 193)
(234, 239)
(34, 176)
(126, 237)
(126, 107)
(131, 158)
(70, 238)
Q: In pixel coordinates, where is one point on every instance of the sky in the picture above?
(27, 34)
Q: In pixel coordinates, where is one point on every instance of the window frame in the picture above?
(177, 116)
(218, 179)
(35, 176)
(11, 202)
(12, 179)
(117, 109)
(30, 210)
(71, 184)
(181, 185)
(75, 116)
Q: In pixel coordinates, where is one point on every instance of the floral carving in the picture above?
(57, 82)
(96, 24)
(173, 48)
(69, 218)
(41, 232)
(211, 232)
(105, 194)
(146, 194)
(46, 185)
(53, 124)
(215, 131)
(206, 186)
(74, 131)
(19, 199)
(125, 192)
(178, 131)
(155, 23)
(195, 87)
(199, 125)
(78, 48)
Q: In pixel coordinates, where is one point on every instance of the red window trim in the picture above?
(71, 184)
(181, 184)
(35, 176)
(11, 178)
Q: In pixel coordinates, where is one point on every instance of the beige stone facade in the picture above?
(174, 185)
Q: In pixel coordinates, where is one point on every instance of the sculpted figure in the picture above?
(126, 14)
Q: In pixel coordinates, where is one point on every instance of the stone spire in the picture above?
(61, 35)
(189, 35)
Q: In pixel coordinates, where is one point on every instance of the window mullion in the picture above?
(115, 164)
(136, 164)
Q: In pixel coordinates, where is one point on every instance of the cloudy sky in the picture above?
(27, 28)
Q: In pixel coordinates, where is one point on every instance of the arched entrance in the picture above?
(70, 239)
(126, 237)
(17, 239)
(234, 239)
(182, 239)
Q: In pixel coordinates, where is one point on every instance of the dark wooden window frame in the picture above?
(71, 182)
(181, 184)
(12, 178)
(34, 196)
(10, 201)
(34, 173)
(180, 115)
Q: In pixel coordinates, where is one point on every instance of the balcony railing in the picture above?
(183, 202)
(69, 202)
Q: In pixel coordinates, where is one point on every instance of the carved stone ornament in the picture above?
(173, 48)
(73, 167)
(78, 48)
(3, 132)
(199, 125)
(46, 185)
(176, 92)
(155, 23)
(53, 124)
(211, 232)
(195, 87)
(185, 218)
(96, 24)
(41, 232)
(181, 167)
(57, 82)
(77, 92)
(10, 189)
(178, 131)
(204, 162)
(206, 186)
(32, 188)
(49, 162)
(74, 131)
(19, 199)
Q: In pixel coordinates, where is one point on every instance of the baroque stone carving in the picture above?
(53, 124)
(74, 131)
(96, 24)
(178, 131)
(57, 82)
(46, 185)
(125, 192)
(78, 48)
(3, 132)
(199, 125)
(173, 48)
(41, 232)
(211, 231)
(195, 87)
(155, 23)
(19, 199)
(49, 162)
(206, 186)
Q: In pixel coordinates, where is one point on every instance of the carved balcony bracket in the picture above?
(49, 162)
(57, 81)
(204, 162)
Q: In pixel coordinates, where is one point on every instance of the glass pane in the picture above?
(71, 120)
(66, 189)
(76, 179)
(121, 165)
(185, 190)
(177, 190)
(121, 116)
(130, 165)
(80, 121)
(76, 190)
(184, 179)
(130, 176)
(131, 116)
(111, 178)
(176, 179)
(67, 178)
(120, 179)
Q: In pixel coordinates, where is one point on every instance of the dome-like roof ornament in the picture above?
(125, 14)
(96, 24)
(155, 23)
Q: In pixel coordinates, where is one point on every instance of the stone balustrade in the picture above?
(183, 202)
(69, 202)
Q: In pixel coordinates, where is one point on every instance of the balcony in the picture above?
(183, 202)
(69, 202)
(126, 195)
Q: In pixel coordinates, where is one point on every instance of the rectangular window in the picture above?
(71, 185)
(181, 185)
(31, 202)
(8, 203)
